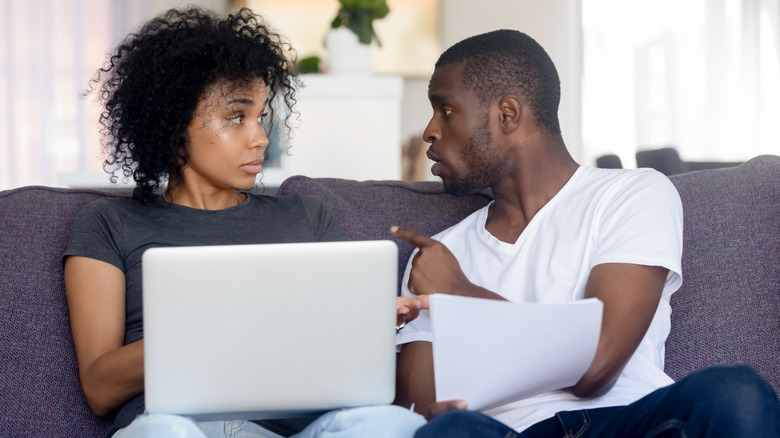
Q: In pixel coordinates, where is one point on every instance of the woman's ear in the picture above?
(512, 111)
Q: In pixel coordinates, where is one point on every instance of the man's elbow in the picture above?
(590, 386)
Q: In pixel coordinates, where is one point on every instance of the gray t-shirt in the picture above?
(118, 231)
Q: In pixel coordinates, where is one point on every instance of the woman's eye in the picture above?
(262, 117)
(237, 119)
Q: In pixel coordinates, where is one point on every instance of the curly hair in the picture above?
(504, 62)
(153, 82)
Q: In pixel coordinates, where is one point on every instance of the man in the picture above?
(558, 232)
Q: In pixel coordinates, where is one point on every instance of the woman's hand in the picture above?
(435, 409)
(408, 308)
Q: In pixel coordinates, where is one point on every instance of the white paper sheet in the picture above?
(490, 352)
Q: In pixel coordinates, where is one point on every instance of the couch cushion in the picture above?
(40, 393)
(368, 209)
(728, 308)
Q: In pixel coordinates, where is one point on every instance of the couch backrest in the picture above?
(727, 311)
(40, 393)
(728, 308)
(367, 209)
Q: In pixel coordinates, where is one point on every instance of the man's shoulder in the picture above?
(607, 176)
(623, 180)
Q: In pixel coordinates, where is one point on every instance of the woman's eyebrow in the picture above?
(241, 100)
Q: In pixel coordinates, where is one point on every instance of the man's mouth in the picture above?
(436, 168)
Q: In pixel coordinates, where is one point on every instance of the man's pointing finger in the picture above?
(412, 236)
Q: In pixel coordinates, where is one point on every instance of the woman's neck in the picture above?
(213, 200)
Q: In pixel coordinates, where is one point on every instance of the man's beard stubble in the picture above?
(484, 165)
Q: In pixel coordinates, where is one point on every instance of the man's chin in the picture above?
(460, 187)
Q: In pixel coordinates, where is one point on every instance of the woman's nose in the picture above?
(259, 139)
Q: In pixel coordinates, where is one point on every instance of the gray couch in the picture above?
(727, 311)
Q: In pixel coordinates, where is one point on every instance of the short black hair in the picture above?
(153, 82)
(503, 62)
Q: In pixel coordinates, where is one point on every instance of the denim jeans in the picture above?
(369, 421)
(715, 402)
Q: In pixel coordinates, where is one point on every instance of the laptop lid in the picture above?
(269, 331)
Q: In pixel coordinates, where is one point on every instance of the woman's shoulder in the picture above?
(115, 210)
(113, 204)
(302, 209)
(292, 200)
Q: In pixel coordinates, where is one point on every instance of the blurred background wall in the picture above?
(702, 76)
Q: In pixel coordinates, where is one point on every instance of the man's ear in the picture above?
(512, 111)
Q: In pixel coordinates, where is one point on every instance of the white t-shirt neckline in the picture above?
(533, 225)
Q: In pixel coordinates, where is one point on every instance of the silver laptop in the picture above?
(269, 331)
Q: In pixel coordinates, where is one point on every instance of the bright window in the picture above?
(699, 75)
(48, 52)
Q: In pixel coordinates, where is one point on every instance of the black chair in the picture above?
(610, 161)
(667, 161)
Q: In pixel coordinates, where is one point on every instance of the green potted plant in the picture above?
(358, 16)
(350, 35)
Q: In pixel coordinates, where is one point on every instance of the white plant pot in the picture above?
(346, 55)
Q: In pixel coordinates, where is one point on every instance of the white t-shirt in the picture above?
(599, 216)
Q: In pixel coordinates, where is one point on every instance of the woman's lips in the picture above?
(253, 166)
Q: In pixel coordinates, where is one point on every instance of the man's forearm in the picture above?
(414, 376)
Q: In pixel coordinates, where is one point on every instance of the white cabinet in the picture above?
(349, 127)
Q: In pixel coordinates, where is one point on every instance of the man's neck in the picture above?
(536, 181)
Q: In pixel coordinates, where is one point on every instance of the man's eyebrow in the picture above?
(437, 98)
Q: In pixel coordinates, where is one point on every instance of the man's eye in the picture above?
(237, 119)
(446, 112)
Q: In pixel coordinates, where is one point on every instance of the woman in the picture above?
(187, 102)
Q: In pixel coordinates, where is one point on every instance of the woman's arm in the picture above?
(110, 373)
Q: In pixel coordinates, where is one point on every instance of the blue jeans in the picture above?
(715, 402)
(384, 421)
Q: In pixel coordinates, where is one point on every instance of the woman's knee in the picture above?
(374, 421)
(161, 426)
